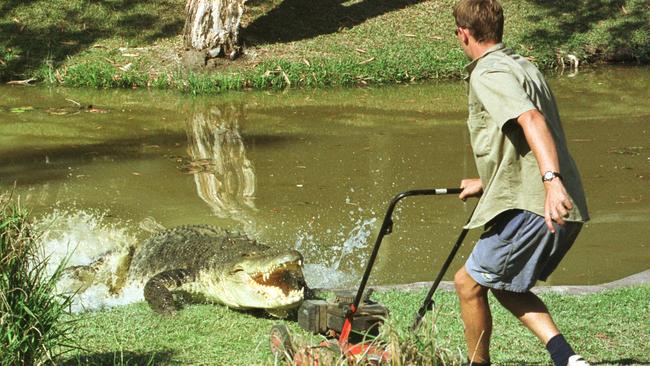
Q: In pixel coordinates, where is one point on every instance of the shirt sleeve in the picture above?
(502, 95)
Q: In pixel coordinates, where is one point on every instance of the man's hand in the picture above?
(557, 205)
(471, 188)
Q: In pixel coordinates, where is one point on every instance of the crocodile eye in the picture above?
(249, 254)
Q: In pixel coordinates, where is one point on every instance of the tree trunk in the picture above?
(212, 26)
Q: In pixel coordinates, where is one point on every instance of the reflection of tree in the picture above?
(225, 178)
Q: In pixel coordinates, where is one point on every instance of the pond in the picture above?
(313, 170)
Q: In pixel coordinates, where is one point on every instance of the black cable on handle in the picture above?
(387, 228)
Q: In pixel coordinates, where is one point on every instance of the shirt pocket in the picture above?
(479, 133)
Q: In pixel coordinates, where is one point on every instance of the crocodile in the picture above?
(229, 268)
(207, 263)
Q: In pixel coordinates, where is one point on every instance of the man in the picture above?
(531, 199)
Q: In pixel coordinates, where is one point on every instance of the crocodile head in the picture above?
(271, 279)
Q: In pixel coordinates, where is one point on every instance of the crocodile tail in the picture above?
(158, 289)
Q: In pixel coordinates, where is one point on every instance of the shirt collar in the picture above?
(470, 67)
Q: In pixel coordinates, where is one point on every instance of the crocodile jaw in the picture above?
(281, 286)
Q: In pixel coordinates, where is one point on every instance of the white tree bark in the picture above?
(213, 26)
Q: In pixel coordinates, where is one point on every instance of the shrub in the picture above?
(32, 328)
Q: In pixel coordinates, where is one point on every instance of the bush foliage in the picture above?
(32, 330)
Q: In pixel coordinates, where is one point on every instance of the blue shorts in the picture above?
(517, 249)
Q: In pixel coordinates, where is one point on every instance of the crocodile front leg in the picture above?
(158, 289)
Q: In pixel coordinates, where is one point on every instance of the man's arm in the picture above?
(540, 140)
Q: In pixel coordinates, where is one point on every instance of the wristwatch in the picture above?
(549, 176)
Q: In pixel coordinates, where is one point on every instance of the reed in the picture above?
(32, 330)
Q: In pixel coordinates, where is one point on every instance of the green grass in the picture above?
(126, 44)
(31, 327)
(610, 328)
(607, 328)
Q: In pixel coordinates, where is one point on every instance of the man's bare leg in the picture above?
(531, 311)
(475, 311)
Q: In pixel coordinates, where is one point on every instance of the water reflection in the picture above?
(315, 167)
(224, 176)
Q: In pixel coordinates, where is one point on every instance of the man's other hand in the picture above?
(557, 205)
(471, 188)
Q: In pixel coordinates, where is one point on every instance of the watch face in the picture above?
(549, 176)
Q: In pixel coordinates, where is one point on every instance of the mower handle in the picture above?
(428, 300)
(387, 228)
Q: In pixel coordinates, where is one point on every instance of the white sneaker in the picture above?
(577, 360)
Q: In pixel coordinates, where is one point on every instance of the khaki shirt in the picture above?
(502, 86)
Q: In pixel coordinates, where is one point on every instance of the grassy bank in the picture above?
(294, 43)
(610, 328)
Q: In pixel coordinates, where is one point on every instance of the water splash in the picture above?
(356, 239)
(323, 267)
(82, 237)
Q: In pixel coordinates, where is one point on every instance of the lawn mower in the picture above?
(350, 320)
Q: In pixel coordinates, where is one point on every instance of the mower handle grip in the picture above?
(426, 192)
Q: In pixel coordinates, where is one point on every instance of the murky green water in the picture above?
(316, 169)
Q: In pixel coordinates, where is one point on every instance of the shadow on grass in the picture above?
(119, 358)
(29, 40)
(294, 20)
(576, 18)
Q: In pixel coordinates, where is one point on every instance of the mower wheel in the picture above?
(280, 342)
